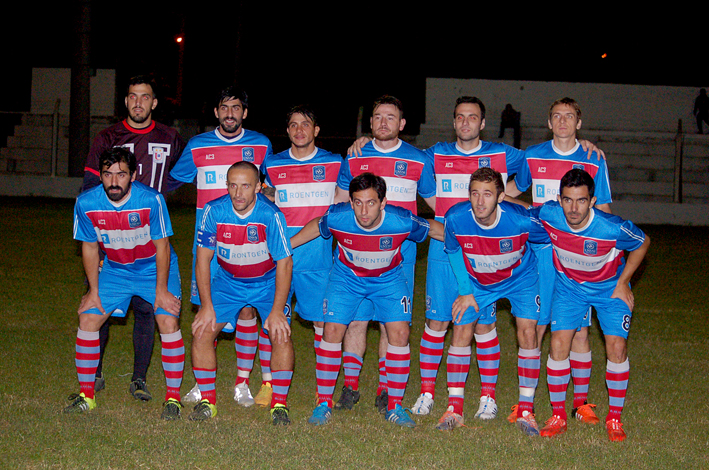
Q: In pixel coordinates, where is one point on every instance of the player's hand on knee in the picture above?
(91, 300)
(205, 320)
(168, 302)
(278, 328)
(461, 304)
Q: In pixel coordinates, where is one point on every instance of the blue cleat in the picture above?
(321, 415)
(400, 417)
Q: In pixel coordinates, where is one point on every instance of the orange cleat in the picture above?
(512, 418)
(585, 414)
(615, 430)
(553, 426)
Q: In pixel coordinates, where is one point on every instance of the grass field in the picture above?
(666, 414)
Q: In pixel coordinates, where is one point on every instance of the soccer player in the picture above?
(205, 161)
(156, 148)
(368, 266)
(486, 240)
(301, 181)
(591, 271)
(407, 172)
(248, 234)
(544, 167)
(453, 164)
(129, 222)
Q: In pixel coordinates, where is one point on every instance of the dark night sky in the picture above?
(337, 59)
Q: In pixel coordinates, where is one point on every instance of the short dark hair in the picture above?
(392, 100)
(232, 92)
(569, 102)
(142, 80)
(471, 100)
(243, 165)
(575, 178)
(487, 175)
(366, 181)
(303, 109)
(114, 155)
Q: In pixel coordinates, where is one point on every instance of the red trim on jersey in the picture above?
(132, 129)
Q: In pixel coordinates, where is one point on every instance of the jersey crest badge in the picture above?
(160, 152)
(578, 166)
(134, 220)
(248, 154)
(400, 168)
(252, 233)
(590, 247)
(319, 173)
(506, 245)
(386, 243)
(484, 162)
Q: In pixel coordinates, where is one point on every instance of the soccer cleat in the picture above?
(203, 411)
(193, 396)
(263, 397)
(139, 390)
(528, 424)
(487, 409)
(553, 426)
(381, 402)
(512, 418)
(615, 430)
(321, 415)
(450, 420)
(348, 399)
(585, 414)
(279, 415)
(171, 409)
(80, 404)
(400, 417)
(99, 383)
(423, 405)
(242, 395)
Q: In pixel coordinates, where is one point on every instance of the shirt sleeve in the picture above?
(185, 170)
(631, 237)
(160, 225)
(523, 178)
(345, 175)
(427, 182)
(277, 238)
(83, 228)
(514, 159)
(206, 236)
(419, 229)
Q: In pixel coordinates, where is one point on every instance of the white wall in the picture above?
(603, 106)
(48, 85)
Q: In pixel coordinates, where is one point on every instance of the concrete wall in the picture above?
(48, 85)
(604, 106)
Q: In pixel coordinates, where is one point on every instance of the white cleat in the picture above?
(423, 405)
(242, 395)
(193, 396)
(487, 409)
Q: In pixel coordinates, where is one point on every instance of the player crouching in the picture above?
(368, 265)
(130, 223)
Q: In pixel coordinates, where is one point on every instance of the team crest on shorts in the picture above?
(400, 168)
(319, 172)
(252, 233)
(506, 245)
(134, 220)
(248, 154)
(590, 247)
(386, 243)
(484, 162)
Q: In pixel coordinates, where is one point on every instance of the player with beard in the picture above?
(407, 172)
(205, 162)
(156, 148)
(128, 222)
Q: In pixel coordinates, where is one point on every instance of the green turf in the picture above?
(666, 414)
